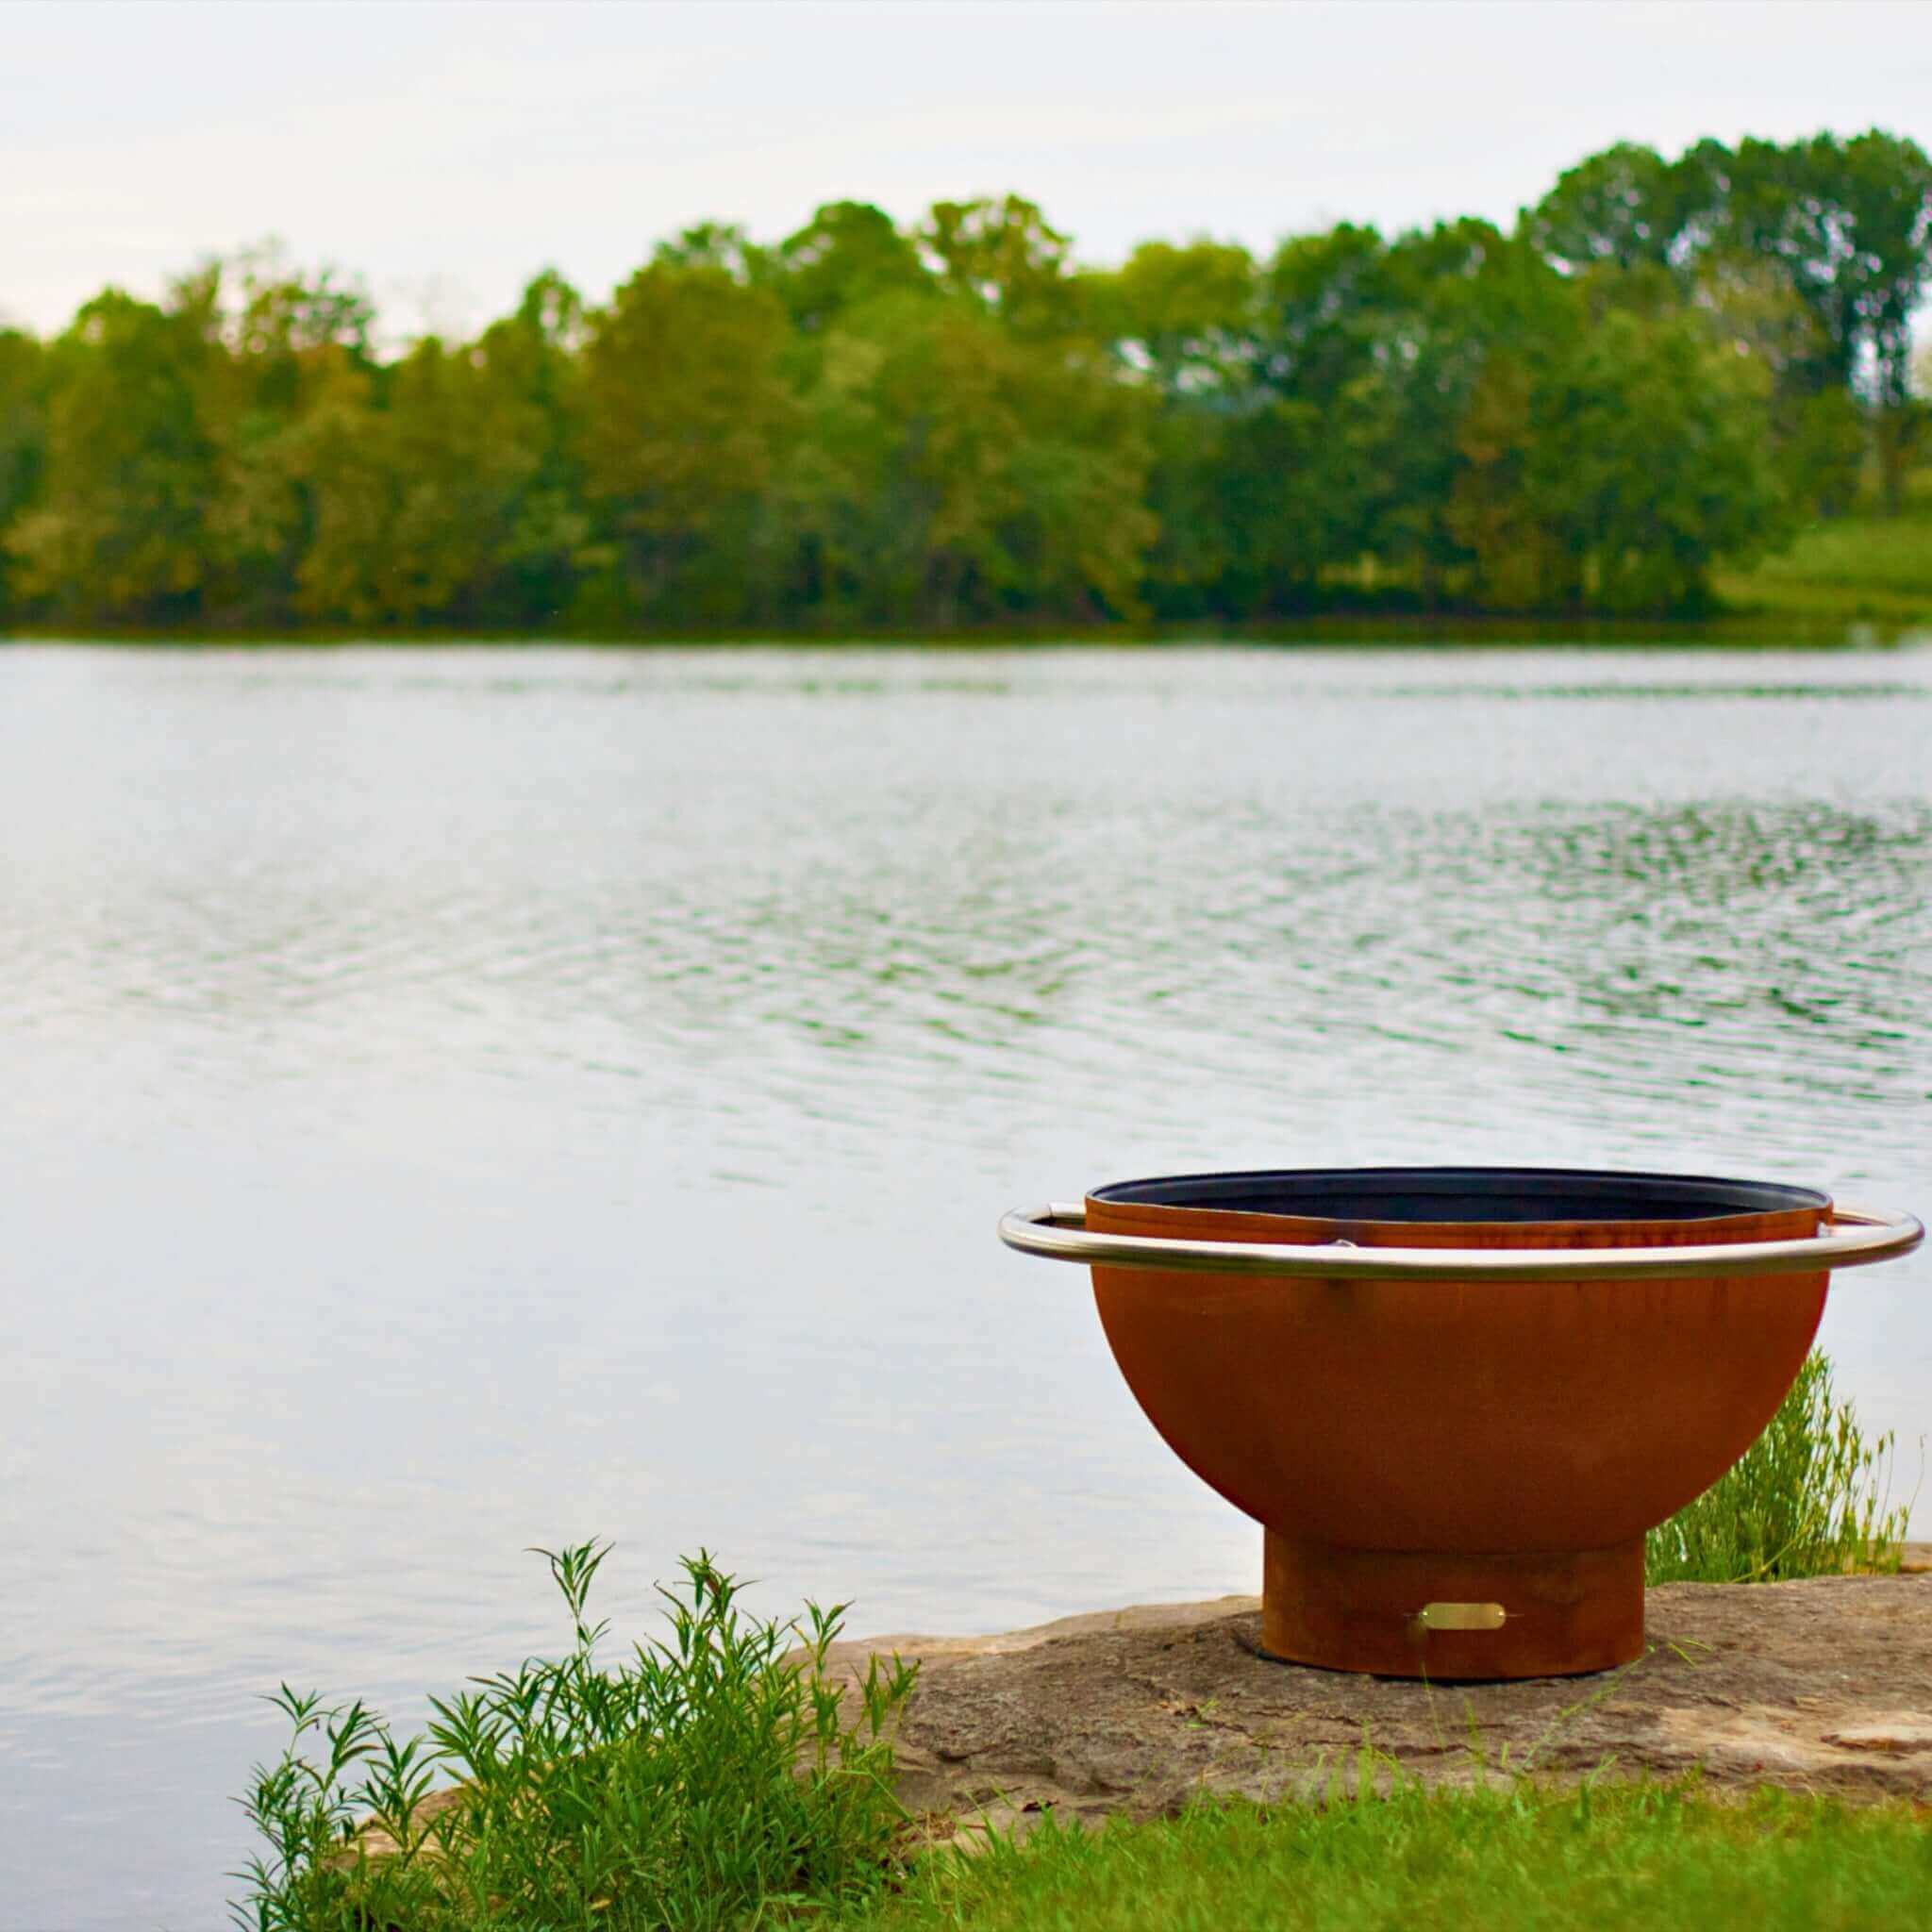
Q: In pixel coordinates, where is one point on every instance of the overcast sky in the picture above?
(446, 151)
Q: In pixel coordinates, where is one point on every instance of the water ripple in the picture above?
(455, 1102)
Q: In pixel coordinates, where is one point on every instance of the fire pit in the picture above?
(1456, 1398)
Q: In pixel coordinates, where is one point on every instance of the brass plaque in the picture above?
(1461, 1616)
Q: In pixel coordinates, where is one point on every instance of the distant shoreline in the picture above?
(1737, 630)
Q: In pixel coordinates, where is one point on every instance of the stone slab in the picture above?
(1819, 1686)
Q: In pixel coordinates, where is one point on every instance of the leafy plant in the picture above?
(711, 1773)
(1808, 1498)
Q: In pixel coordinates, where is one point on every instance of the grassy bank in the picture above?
(1857, 569)
(1515, 1858)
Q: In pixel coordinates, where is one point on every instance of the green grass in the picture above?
(1516, 1859)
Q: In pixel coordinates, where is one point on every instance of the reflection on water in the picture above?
(459, 1100)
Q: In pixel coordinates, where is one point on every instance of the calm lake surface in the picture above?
(458, 1099)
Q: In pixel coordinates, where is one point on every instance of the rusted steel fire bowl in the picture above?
(1456, 1398)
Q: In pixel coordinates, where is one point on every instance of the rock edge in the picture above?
(1817, 1686)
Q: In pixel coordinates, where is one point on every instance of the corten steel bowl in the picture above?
(1456, 1398)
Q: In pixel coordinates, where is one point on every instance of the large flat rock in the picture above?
(1824, 1685)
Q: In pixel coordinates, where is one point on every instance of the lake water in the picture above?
(456, 1100)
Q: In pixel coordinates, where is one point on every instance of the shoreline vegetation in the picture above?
(1678, 389)
(723, 1774)
(1859, 581)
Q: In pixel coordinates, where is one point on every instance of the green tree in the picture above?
(529, 378)
(685, 415)
(1274, 488)
(1849, 222)
(1514, 563)
(337, 463)
(1183, 323)
(848, 256)
(23, 437)
(1627, 205)
(1186, 315)
(1884, 185)
(1401, 375)
(280, 341)
(120, 526)
(1843, 226)
(1006, 257)
(1289, 500)
(1023, 468)
(1451, 299)
(1819, 427)
(1650, 458)
(955, 472)
(954, 423)
(416, 496)
(852, 541)
(720, 245)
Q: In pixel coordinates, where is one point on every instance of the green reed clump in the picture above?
(1808, 1498)
(708, 1773)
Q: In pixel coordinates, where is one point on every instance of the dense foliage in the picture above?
(1665, 364)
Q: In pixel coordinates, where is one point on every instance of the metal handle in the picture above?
(1058, 1231)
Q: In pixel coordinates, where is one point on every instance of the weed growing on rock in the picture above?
(713, 1772)
(1808, 1498)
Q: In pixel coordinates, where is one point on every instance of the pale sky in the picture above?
(447, 151)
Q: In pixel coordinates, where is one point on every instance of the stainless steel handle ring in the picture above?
(1058, 1231)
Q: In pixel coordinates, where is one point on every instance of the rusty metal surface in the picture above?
(1528, 1614)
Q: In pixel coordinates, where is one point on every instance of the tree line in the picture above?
(1666, 363)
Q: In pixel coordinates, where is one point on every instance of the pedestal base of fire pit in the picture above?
(1447, 1615)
